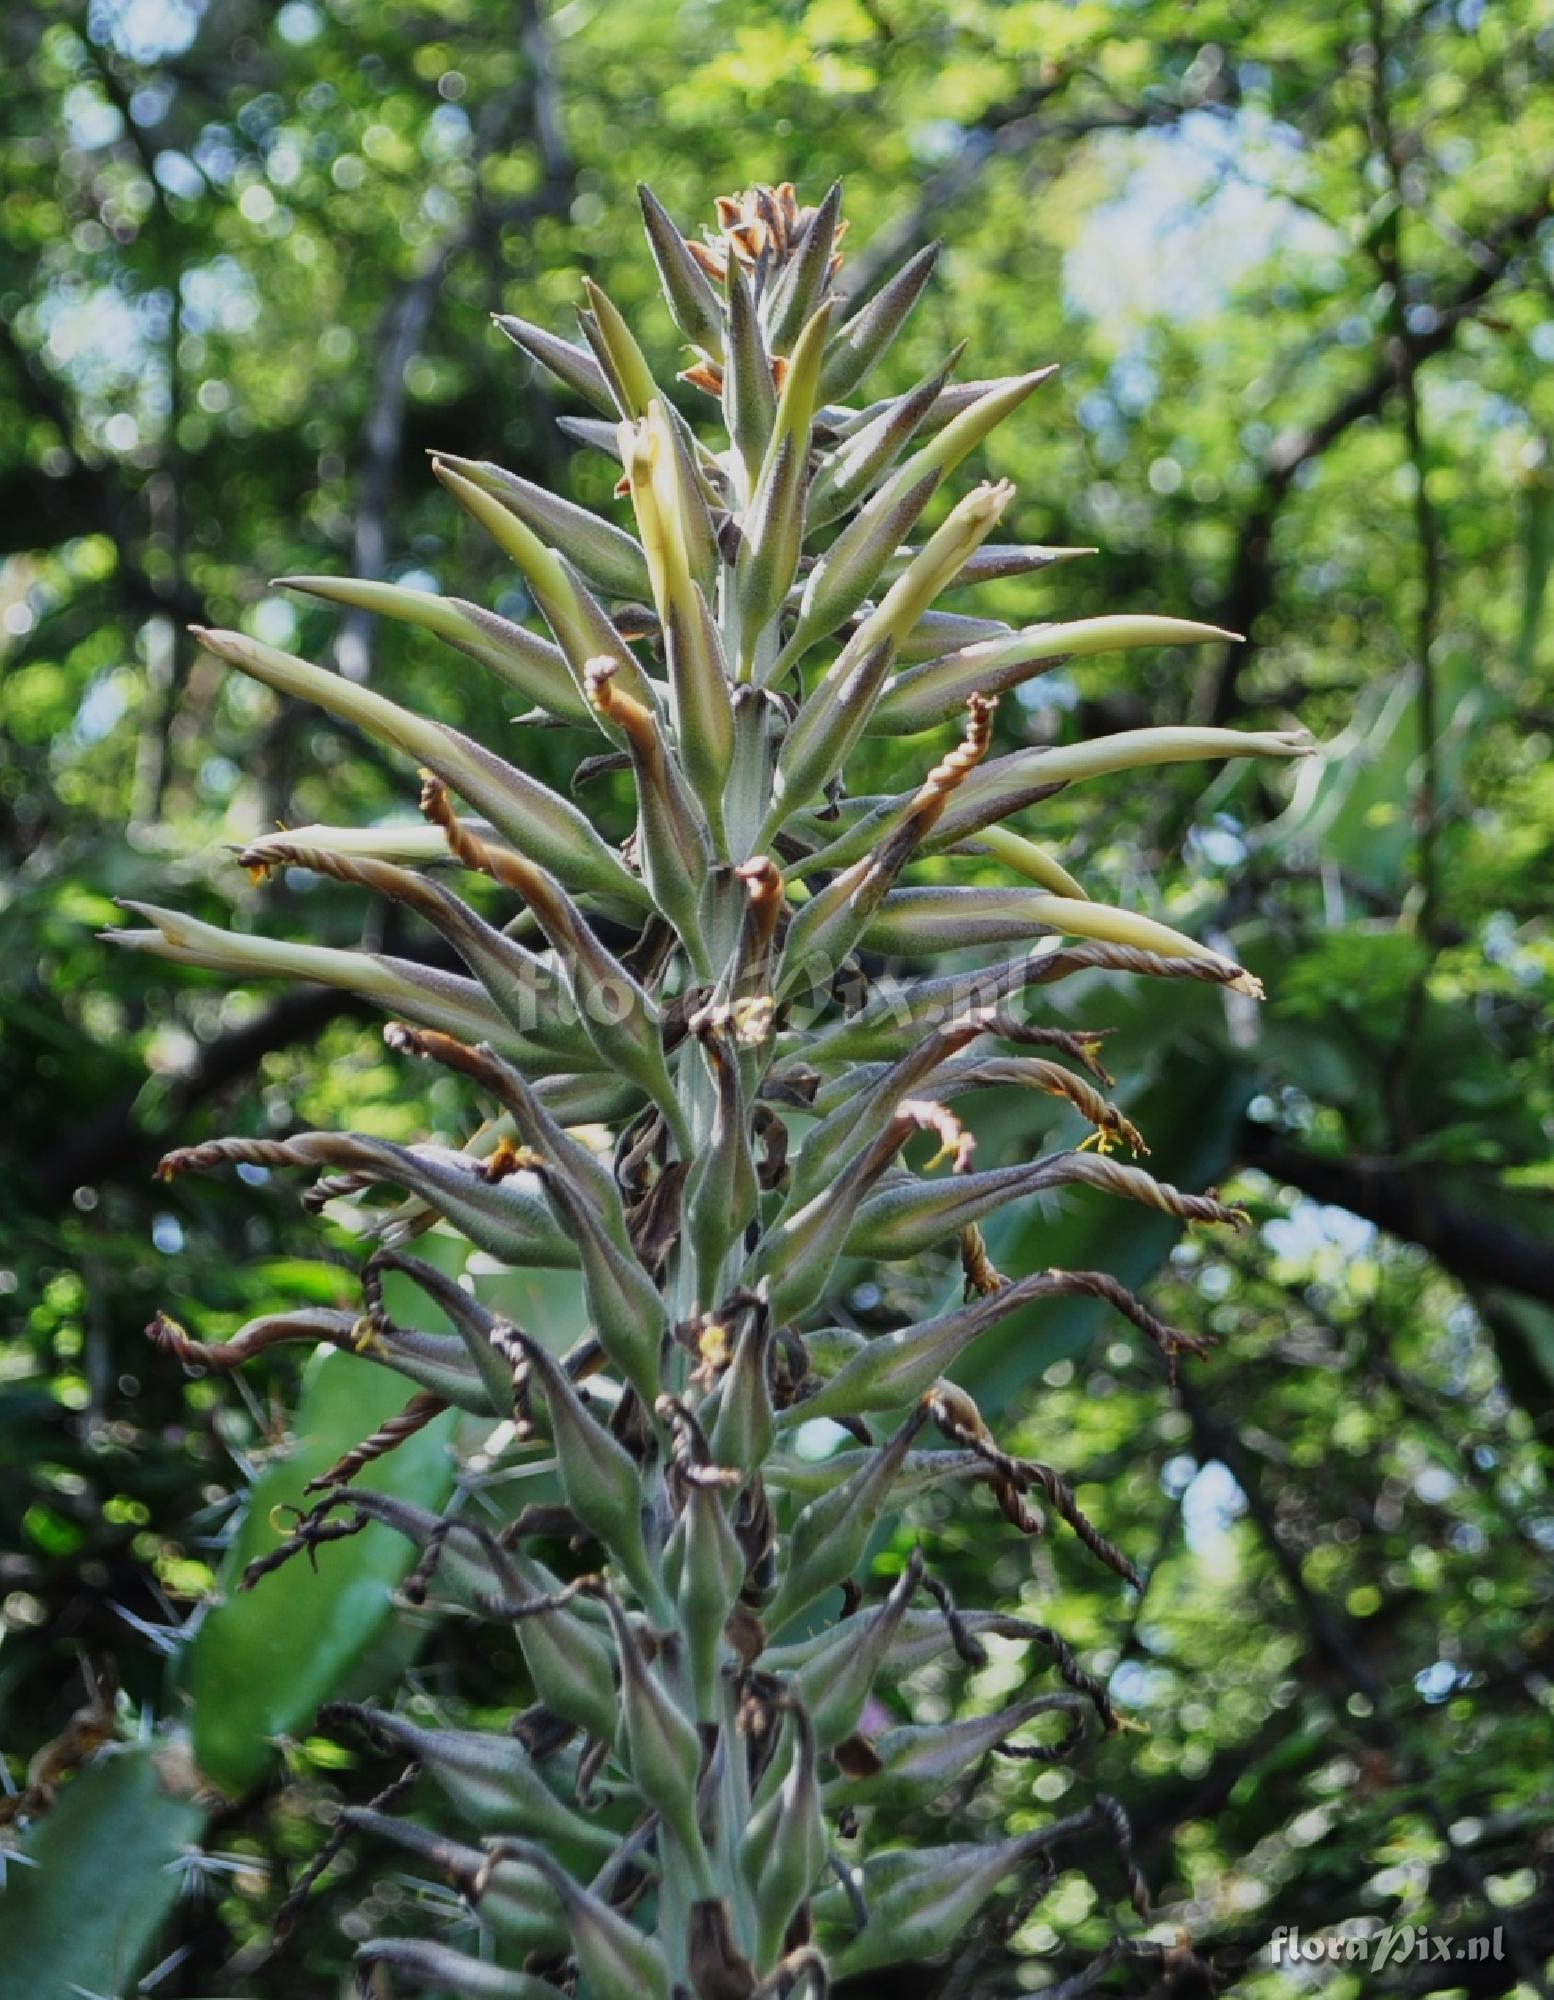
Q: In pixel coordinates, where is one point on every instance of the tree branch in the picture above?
(109, 499)
(1250, 588)
(1335, 1638)
(1402, 1201)
(110, 1144)
(404, 322)
(1004, 130)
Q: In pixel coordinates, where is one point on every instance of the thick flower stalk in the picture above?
(775, 1010)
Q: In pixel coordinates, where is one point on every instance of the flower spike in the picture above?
(717, 1046)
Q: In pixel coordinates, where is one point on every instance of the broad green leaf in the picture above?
(264, 1660)
(85, 1915)
(1352, 801)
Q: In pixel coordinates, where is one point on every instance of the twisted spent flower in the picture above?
(704, 1068)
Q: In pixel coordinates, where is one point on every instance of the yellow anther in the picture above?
(713, 1345)
(752, 1020)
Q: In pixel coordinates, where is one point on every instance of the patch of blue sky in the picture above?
(103, 706)
(1200, 207)
(1211, 1506)
(90, 119)
(1315, 1232)
(109, 344)
(97, 336)
(146, 31)
(219, 297)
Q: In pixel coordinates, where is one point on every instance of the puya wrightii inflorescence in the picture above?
(720, 1064)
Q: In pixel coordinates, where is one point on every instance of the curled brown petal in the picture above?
(422, 1407)
(316, 1324)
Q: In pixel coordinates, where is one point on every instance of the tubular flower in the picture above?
(758, 607)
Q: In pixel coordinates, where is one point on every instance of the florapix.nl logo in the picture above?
(1387, 1944)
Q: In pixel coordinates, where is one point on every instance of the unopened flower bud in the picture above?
(919, 1761)
(602, 1485)
(830, 1534)
(663, 1746)
(784, 1848)
(436, 1967)
(491, 1780)
(618, 1962)
(835, 1684)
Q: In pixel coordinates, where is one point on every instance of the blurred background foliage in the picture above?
(1297, 264)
